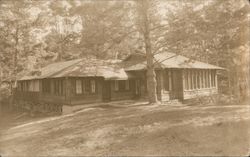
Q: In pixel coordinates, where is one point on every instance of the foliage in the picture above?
(36, 33)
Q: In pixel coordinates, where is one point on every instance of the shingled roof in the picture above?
(50, 70)
(87, 67)
(113, 69)
(168, 60)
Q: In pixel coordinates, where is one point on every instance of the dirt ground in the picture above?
(121, 129)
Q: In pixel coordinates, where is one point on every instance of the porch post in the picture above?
(200, 79)
(216, 81)
(170, 79)
(210, 78)
(183, 79)
(67, 90)
(204, 79)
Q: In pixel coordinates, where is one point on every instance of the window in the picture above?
(93, 86)
(116, 85)
(166, 81)
(127, 85)
(78, 87)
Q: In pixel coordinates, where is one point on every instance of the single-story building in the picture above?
(91, 80)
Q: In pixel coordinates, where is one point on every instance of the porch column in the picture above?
(216, 81)
(204, 79)
(197, 79)
(183, 79)
(67, 89)
(170, 79)
(210, 78)
(189, 80)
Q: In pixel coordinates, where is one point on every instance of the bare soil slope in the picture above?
(131, 130)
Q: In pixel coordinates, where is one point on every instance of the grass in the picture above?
(131, 130)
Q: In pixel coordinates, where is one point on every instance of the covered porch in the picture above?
(181, 84)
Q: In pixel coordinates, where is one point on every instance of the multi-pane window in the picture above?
(85, 86)
(197, 79)
(78, 86)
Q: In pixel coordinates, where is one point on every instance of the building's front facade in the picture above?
(79, 82)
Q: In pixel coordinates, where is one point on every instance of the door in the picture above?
(176, 79)
(106, 91)
(137, 88)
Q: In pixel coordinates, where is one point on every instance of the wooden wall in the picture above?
(77, 99)
(199, 92)
(69, 96)
(125, 94)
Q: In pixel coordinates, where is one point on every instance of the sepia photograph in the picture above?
(124, 78)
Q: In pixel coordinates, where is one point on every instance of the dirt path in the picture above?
(135, 130)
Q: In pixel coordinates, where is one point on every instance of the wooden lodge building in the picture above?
(89, 80)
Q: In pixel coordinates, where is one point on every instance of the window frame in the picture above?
(78, 90)
(92, 86)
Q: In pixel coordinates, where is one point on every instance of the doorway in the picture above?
(106, 91)
(176, 84)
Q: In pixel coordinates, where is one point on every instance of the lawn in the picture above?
(121, 129)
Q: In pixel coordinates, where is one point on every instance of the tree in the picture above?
(16, 27)
(106, 26)
(144, 25)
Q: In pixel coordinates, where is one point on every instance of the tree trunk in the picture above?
(151, 76)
